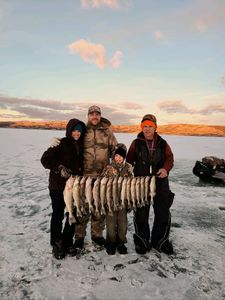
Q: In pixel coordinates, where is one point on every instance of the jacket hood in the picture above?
(105, 122)
(71, 124)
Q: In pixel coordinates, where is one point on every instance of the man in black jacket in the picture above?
(150, 153)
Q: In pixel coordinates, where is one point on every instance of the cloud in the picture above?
(130, 105)
(223, 80)
(99, 3)
(215, 98)
(20, 108)
(158, 35)
(213, 108)
(116, 59)
(94, 54)
(203, 15)
(176, 107)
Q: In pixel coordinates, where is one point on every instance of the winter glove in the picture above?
(55, 142)
(64, 172)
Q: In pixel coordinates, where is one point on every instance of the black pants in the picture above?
(58, 207)
(162, 218)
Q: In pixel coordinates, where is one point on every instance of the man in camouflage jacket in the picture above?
(99, 144)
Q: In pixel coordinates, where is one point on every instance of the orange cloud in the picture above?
(158, 35)
(116, 59)
(95, 54)
(98, 3)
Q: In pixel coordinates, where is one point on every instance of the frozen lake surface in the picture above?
(28, 271)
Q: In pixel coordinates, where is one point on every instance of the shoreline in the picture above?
(170, 129)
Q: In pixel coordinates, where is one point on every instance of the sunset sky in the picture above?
(130, 57)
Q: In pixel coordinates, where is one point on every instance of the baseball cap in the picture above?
(94, 108)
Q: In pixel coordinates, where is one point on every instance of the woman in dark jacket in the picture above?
(63, 160)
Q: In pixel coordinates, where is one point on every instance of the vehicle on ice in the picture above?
(211, 169)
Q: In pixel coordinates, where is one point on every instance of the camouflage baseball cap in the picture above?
(149, 117)
(94, 108)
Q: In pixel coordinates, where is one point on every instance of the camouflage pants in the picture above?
(97, 226)
(116, 227)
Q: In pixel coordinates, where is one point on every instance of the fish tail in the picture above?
(72, 220)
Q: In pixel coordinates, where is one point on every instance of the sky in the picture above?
(129, 57)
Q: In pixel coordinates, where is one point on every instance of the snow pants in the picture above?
(58, 207)
(116, 227)
(162, 217)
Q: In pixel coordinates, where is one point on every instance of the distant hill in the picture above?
(173, 129)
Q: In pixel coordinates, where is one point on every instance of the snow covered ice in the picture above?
(28, 271)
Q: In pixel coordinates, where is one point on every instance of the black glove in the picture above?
(64, 172)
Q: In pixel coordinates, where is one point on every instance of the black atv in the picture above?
(211, 169)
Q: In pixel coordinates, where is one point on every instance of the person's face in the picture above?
(148, 132)
(118, 159)
(76, 134)
(94, 118)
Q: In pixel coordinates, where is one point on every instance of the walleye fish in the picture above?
(68, 198)
(76, 195)
(128, 188)
(147, 189)
(103, 185)
(115, 193)
(152, 189)
(82, 194)
(96, 195)
(123, 193)
(119, 183)
(138, 191)
(142, 191)
(133, 191)
(88, 193)
(109, 195)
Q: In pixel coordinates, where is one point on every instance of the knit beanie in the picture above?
(149, 120)
(78, 127)
(121, 150)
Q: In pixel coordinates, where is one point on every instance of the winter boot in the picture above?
(166, 248)
(71, 251)
(111, 248)
(58, 250)
(100, 241)
(122, 249)
(141, 245)
(79, 244)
